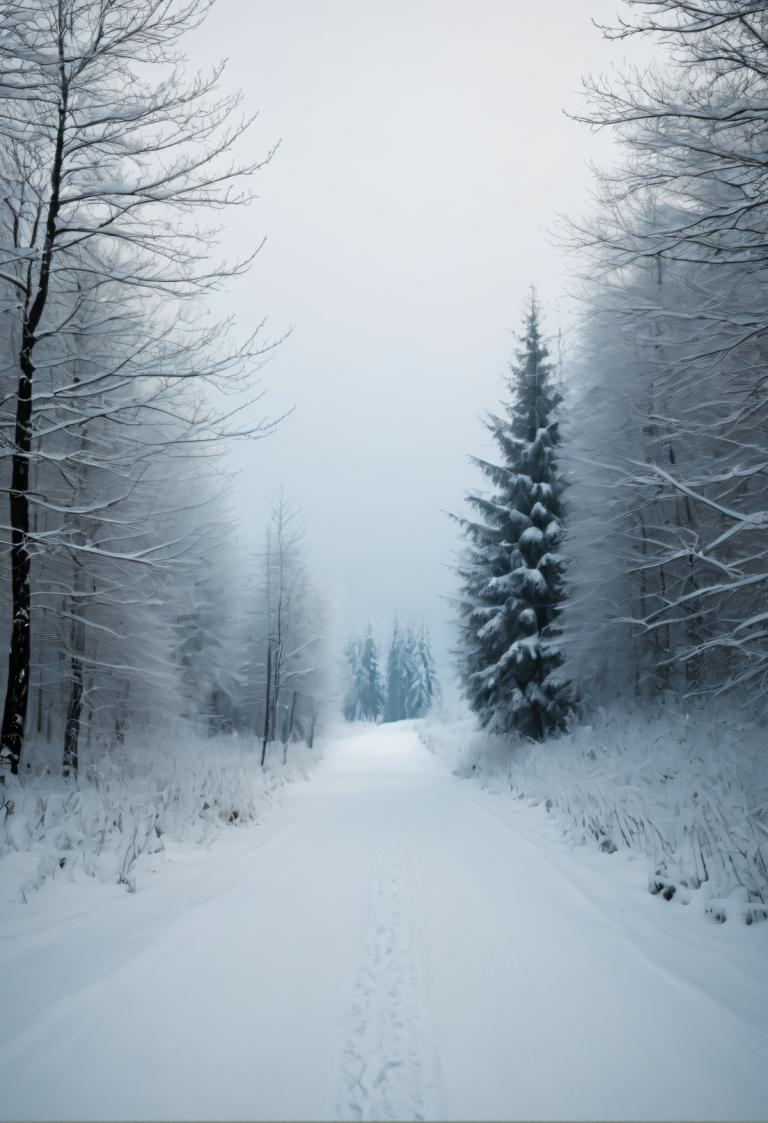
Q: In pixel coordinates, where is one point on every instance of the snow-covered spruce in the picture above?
(364, 698)
(409, 686)
(511, 570)
(394, 705)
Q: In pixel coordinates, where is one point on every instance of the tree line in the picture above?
(122, 583)
(408, 686)
(625, 554)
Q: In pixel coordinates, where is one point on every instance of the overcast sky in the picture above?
(424, 155)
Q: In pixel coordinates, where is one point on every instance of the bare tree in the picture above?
(677, 341)
(103, 173)
(285, 674)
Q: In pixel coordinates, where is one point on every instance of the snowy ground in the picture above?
(392, 943)
(687, 792)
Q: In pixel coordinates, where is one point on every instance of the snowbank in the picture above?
(689, 792)
(125, 804)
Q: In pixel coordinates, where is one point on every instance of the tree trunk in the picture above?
(276, 676)
(289, 727)
(70, 760)
(72, 729)
(17, 691)
(266, 706)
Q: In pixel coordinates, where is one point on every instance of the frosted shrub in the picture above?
(125, 804)
(690, 793)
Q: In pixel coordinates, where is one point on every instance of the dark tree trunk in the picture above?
(276, 663)
(17, 692)
(74, 715)
(289, 727)
(70, 759)
(266, 706)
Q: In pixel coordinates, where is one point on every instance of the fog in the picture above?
(424, 157)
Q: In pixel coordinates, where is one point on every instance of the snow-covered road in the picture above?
(392, 943)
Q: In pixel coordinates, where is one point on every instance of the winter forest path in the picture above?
(393, 943)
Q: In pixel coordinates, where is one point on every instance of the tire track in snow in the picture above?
(383, 1061)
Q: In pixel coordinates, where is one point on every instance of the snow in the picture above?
(128, 805)
(532, 536)
(686, 792)
(532, 579)
(393, 942)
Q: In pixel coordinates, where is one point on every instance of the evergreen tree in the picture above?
(411, 682)
(418, 673)
(512, 572)
(350, 706)
(423, 688)
(395, 704)
(409, 672)
(364, 697)
(371, 693)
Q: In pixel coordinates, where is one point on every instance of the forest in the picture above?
(616, 557)
(399, 853)
(124, 596)
(616, 549)
(408, 688)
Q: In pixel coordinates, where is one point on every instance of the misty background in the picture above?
(424, 157)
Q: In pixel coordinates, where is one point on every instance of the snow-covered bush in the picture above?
(687, 791)
(125, 804)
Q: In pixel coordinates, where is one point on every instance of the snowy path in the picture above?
(393, 943)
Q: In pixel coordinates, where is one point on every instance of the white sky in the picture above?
(424, 154)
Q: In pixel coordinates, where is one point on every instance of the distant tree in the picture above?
(411, 680)
(351, 703)
(409, 671)
(284, 669)
(371, 693)
(423, 681)
(364, 698)
(395, 699)
(512, 571)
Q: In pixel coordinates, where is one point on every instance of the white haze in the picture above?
(424, 155)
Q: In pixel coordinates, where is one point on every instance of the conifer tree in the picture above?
(364, 698)
(424, 680)
(409, 673)
(371, 695)
(512, 572)
(395, 704)
(350, 706)
(417, 671)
